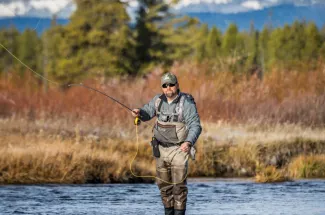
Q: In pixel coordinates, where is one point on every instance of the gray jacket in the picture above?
(190, 115)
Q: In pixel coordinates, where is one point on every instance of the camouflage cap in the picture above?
(168, 78)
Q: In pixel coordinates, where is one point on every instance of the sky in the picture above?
(63, 8)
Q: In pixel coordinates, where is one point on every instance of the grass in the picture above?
(38, 155)
(31, 159)
(312, 166)
(251, 127)
(271, 174)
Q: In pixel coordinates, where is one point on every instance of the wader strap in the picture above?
(178, 115)
(158, 104)
(181, 108)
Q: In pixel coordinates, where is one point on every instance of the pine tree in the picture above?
(52, 39)
(275, 46)
(143, 38)
(322, 49)
(264, 38)
(180, 36)
(95, 42)
(149, 40)
(200, 45)
(213, 43)
(230, 39)
(294, 44)
(251, 50)
(29, 50)
(9, 39)
(313, 43)
(322, 33)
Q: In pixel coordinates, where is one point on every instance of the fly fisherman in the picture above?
(175, 132)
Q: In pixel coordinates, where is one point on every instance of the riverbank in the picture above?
(34, 152)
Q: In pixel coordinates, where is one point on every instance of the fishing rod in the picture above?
(136, 120)
(115, 100)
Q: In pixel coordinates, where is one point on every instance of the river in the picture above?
(206, 196)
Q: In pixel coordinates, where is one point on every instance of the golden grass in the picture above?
(271, 174)
(40, 154)
(31, 159)
(312, 166)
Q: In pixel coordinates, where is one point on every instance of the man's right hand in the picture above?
(135, 112)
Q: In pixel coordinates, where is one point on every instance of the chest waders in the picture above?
(170, 128)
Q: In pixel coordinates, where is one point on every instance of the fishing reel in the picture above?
(137, 121)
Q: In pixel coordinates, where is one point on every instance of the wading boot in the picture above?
(179, 212)
(169, 211)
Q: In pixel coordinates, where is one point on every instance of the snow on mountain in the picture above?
(36, 8)
(64, 8)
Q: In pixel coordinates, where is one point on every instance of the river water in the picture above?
(207, 196)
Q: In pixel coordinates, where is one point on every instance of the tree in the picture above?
(143, 38)
(95, 42)
(229, 42)
(275, 46)
(264, 38)
(251, 49)
(52, 41)
(9, 39)
(179, 35)
(313, 43)
(201, 41)
(29, 50)
(152, 16)
(213, 43)
(322, 33)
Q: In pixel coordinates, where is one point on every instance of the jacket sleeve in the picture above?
(192, 120)
(148, 111)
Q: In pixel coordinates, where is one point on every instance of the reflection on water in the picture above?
(205, 197)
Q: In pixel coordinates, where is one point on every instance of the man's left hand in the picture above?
(185, 147)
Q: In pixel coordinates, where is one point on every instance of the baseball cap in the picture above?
(168, 78)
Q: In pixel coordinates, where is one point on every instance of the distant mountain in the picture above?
(22, 23)
(276, 16)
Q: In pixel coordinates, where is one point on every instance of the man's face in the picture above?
(169, 90)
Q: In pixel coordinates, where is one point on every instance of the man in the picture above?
(176, 130)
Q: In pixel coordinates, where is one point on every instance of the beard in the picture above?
(170, 94)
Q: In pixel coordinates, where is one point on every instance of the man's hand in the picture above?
(185, 147)
(135, 112)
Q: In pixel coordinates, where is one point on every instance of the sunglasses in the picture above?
(166, 85)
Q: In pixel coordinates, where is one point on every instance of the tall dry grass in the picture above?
(34, 159)
(312, 166)
(281, 97)
(35, 155)
(77, 136)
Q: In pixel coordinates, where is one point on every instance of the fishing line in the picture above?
(39, 75)
(150, 176)
(137, 136)
(126, 107)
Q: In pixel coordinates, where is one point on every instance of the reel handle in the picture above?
(137, 121)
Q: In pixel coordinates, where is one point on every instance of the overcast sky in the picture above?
(64, 8)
